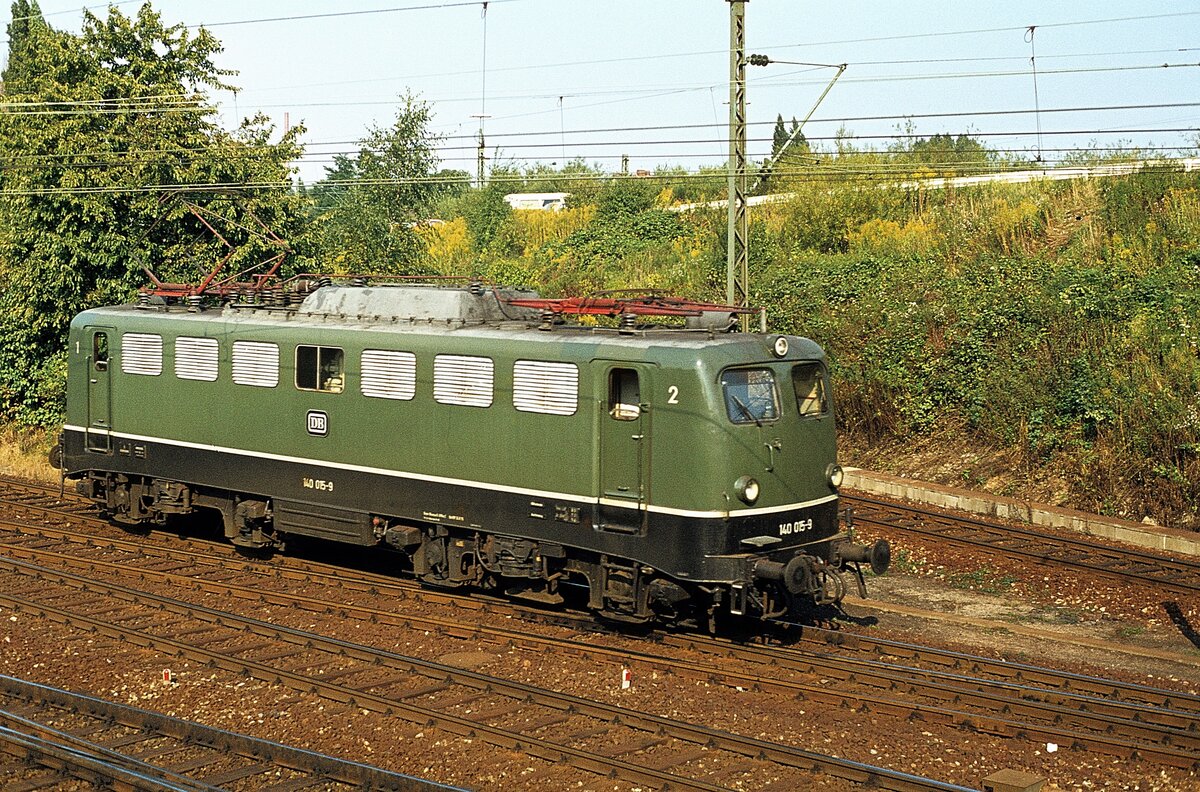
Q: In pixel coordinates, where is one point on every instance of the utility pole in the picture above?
(737, 276)
(479, 164)
(482, 148)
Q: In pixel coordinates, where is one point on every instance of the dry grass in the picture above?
(1094, 480)
(23, 453)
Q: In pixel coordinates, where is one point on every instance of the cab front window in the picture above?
(750, 395)
(808, 381)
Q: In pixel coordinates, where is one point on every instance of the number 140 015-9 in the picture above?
(799, 526)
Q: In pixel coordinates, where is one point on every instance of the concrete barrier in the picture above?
(1154, 537)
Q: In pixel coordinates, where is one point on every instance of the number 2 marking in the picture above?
(673, 394)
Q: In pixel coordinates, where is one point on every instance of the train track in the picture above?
(1128, 727)
(50, 735)
(1038, 548)
(1123, 720)
(601, 738)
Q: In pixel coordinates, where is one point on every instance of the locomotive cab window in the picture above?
(320, 369)
(100, 351)
(624, 394)
(750, 395)
(808, 381)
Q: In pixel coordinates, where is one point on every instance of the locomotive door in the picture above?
(623, 445)
(99, 399)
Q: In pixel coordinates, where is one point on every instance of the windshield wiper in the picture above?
(746, 410)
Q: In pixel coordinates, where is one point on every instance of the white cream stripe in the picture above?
(466, 482)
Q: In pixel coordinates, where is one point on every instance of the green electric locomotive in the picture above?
(676, 472)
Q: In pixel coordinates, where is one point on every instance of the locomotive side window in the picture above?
(320, 369)
(624, 394)
(808, 380)
(100, 351)
(543, 387)
(750, 395)
(255, 363)
(196, 358)
(388, 375)
(463, 379)
(141, 353)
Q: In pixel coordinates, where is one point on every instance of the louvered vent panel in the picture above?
(463, 379)
(389, 375)
(196, 358)
(542, 387)
(255, 363)
(141, 353)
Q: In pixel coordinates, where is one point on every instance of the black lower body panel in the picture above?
(339, 502)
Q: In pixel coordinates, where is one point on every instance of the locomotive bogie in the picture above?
(669, 472)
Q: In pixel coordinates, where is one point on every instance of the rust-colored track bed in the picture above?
(593, 736)
(51, 735)
(1092, 713)
(1085, 712)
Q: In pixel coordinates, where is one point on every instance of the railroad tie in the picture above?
(128, 739)
(633, 746)
(552, 719)
(237, 774)
(297, 784)
(53, 781)
(665, 759)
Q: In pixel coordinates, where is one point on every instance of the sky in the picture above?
(559, 80)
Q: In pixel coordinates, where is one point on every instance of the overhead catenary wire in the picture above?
(305, 17)
(770, 81)
(866, 172)
(139, 157)
(775, 81)
(132, 157)
(1021, 159)
(643, 94)
(869, 80)
(563, 133)
(608, 61)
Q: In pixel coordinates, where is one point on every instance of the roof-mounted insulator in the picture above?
(605, 304)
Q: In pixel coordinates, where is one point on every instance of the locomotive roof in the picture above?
(425, 310)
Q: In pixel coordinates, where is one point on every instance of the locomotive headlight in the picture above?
(781, 346)
(746, 489)
(835, 474)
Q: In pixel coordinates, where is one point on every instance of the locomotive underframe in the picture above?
(689, 578)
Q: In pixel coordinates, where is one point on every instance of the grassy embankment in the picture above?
(23, 453)
(1036, 340)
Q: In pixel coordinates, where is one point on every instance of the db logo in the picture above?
(318, 423)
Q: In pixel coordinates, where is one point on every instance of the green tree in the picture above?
(799, 146)
(27, 27)
(488, 216)
(111, 178)
(787, 153)
(945, 153)
(373, 199)
(779, 138)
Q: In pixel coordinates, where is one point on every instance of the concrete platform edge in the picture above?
(1153, 537)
